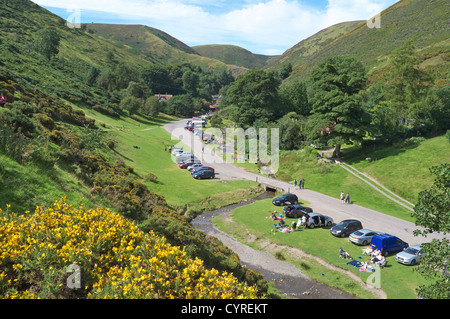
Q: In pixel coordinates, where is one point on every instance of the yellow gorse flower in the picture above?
(117, 260)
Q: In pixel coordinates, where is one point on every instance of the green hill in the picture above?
(235, 55)
(304, 50)
(153, 44)
(425, 22)
(57, 139)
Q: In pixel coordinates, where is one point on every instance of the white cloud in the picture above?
(261, 26)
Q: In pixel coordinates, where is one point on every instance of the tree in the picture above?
(406, 89)
(131, 104)
(255, 93)
(47, 42)
(432, 213)
(295, 98)
(292, 131)
(190, 82)
(285, 71)
(151, 106)
(337, 113)
(92, 76)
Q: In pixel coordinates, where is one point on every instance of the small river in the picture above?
(283, 275)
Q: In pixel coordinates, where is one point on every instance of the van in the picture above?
(387, 244)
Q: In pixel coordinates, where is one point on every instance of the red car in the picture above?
(186, 165)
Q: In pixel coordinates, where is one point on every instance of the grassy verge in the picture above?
(398, 281)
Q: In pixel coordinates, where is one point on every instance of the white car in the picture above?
(190, 168)
(410, 256)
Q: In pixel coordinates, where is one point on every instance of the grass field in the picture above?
(176, 185)
(398, 281)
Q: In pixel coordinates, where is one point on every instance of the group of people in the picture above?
(375, 256)
(345, 198)
(281, 224)
(301, 183)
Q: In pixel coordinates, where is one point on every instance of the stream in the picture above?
(283, 275)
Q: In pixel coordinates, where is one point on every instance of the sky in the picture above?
(267, 27)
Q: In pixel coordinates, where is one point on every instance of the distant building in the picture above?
(162, 97)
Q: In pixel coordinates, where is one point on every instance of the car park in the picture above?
(387, 244)
(318, 220)
(346, 227)
(285, 199)
(410, 256)
(296, 211)
(203, 174)
(363, 236)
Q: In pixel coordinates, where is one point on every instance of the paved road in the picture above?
(321, 203)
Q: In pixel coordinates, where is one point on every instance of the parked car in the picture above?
(185, 165)
(285, 199)
(387, 244)
(190, 168)
(185, 157)
(296, 211)
(363, 236)
(318, 220)
(410, 256)
(202, 168)
(203, 174)
(346, 227)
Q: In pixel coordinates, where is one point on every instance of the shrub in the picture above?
(115, 258)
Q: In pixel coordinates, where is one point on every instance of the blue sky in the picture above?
(260, 26)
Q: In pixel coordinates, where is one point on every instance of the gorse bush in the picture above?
(115, 258)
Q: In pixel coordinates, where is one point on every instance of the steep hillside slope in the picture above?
(154, 44)
(425, 22)
(235, 55)
(305, 49)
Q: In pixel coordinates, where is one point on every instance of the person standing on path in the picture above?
(295, 183)
(347, 198)
(303, 183)
(342, 197)
(300, 184)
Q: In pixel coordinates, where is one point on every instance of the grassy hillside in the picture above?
(304, 50)
(53, 143)
(425, 22)
(154, 44)
(231, 54)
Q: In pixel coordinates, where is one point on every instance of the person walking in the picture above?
(347, 198)
(342, 197)
(303, 183)
(300, 184)
(295, 183)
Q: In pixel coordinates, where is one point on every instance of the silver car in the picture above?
(317, 220)
(410, 256)
(362, 236)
